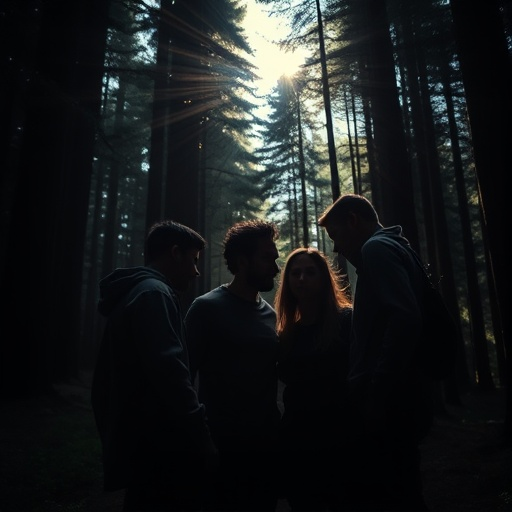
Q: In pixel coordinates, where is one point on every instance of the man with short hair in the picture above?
(391, 397)
(233, 347)
(153, 431)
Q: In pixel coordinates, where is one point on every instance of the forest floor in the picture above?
(50, 456)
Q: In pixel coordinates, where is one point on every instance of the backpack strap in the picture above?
(407, 248)
(421, 264)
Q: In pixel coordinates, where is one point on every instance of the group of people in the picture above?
(186, 402)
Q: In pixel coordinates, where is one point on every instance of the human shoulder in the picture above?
(345, 318)
(154, 283)
(213, 296)
(128, 285)
(345, 313)
(385, 243)
(127, 278)
(213, 300)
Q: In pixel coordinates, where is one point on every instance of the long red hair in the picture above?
(333, 300)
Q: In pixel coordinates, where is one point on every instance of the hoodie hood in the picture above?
(393, 232)
(115, 286)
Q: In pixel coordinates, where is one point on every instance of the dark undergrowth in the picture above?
(50, 456)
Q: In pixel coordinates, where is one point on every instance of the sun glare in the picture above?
(262, 30)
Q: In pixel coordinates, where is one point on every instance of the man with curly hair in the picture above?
(233, 346)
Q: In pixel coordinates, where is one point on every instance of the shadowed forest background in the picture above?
(117, 114)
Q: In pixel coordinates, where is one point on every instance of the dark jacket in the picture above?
(145, 406)
(315, 392)
(387, 315)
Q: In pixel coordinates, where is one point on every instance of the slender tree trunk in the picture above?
(357, 184)
(109, 257)
(396, 194)
(335, 179)
(476, 318)
(159, 127)
(350, 145)
(302, 174)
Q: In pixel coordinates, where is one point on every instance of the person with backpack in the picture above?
(388, 391)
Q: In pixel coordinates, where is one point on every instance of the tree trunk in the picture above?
(54, 171)
(396, 195)
(479, 32)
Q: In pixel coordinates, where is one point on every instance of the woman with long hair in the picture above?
(314, 316)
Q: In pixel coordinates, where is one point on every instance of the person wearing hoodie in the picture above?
(155, 440)
(388, 392)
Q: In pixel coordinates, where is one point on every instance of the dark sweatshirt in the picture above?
(146, 408)
(387, 316)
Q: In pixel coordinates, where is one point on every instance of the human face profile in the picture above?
(345, 239)
(186, 269)
(335, 233)
(263, 268)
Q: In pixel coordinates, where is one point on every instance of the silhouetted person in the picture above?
(389, 392)
(313, 323)
(233, 344)
(155, 440)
